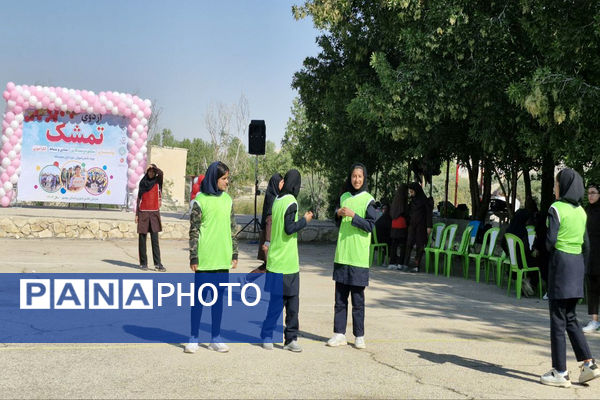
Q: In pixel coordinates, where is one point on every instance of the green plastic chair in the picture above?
(379, 247)
(446, 244)
(433, 242)
(487, 251)
(515, 246)
(530, 235)
(461, 251)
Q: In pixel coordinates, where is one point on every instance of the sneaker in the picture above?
(144, 267)
(545, 296)
(359, 342)
(267, 345)
(592, 326)
(588, 372)
(392, 266)
(338, 339)
(220, 347)
(192, 346)
(554, 378)
(414, 269)
(526, 288)
(293, 346)
(160, 268)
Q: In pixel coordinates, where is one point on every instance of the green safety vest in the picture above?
(282, 257)
(572, 227)
(353, 243)
(215, 248)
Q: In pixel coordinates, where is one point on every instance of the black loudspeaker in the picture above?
(257, 134)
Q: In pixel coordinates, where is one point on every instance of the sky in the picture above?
(182, 55)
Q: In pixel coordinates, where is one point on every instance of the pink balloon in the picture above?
(18, 109)
(7, 147)
(9, 116)
(71, 104)
(134, 149)
(10, 85)
(97, 105)
(14, 140)
(51, 106)
(130, 157)
(147, 112)
(5, 201)
(77, 109)
(102, 110)
(4, 177)
(3, 155)
(5, 124)
(45, 101)
(127, 112)
(16, 162)
(144, 135)
(138, 142)
(139, 170)
(20, 100)
(10, 170)
(6, 95)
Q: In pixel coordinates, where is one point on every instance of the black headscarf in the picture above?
(146, 183)
(518, 224)
(270, 195)
(419, 198)
(570, 186)
(209, 184)
(348, 185)
(399, 202)
(291, 185)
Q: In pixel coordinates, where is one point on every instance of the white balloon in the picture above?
(17, 148)
(7, 186)
(78, 99)
(39, 104)
(130, 142)
(12, 155)
(32, 99)
(134, 108)
(135, 135)
(18, 171)
(148, 103)
(139, 128)
(64, 107)
(128, 101)
(115, 110)
(19, 117)
(58, 102)
(5, 162)
(140, 114)
(11, 103)
(84, 104)
(14, 124)
(139, 156)
(2, 192)
(144, 121)
(52, 96)
(26, 94)
(134, 164)
(9, 131)
(71, 92)
(14, 179)
(4, 139)
(144, 149)
(109, 104)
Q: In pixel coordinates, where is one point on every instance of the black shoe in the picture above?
(160, 268)
(144, 267)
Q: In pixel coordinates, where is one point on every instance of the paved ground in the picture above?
(427, 337)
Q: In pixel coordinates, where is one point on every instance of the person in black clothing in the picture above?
(399, 231)
(383, 225)
(593, 265)
(420, 224)
(273, 188)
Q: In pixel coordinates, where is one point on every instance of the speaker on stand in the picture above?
(257, 135)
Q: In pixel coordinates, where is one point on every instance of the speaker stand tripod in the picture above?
(254, 221)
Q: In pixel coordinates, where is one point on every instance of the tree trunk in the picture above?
(547, 182)
(486, 193)
(527, 181)
(446, 190)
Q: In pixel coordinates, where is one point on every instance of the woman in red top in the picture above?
(147, 215)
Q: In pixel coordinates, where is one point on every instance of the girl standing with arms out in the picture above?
(356, 216)
(567, 242)
(593, 266)
(283, 259)
(213, 246)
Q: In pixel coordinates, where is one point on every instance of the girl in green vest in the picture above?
(356, 217)
(282, 258)
(567, 243)
(213, 246)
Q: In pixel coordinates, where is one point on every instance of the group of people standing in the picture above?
(406, 224)
(570, 234)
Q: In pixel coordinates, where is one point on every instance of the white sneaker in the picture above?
(267, 344)
(393, 266)
(554, 378)
(293, 346)
(192, 346)
(592, 326)
(359, 342)
(338, 339)
(588, 372)
(220, 347)
(545, 296)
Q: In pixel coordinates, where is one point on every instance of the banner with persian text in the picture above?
(73, 158)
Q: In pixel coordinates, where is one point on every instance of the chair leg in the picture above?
(436, 262)
(371, 249)
(519, 283)
(465, 260)
(540, 284)
(427, 253)
(477, 270)
(499, 273)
